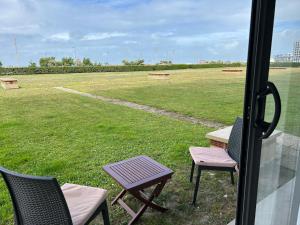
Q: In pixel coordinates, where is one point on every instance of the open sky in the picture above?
(184, 31)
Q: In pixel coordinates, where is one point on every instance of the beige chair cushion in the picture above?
(212, 156)
(82, 201)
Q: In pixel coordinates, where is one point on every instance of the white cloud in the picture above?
(120, 3)
(222, 48)
(284, 39)
(212, 51)
(287, 10)
(130, 42)
(208, 27)
(287, 33)
(231, 45)
(64, 36)
(212, 38)
(161, 35)
(101, 36)
(19, 29)
(16, 17)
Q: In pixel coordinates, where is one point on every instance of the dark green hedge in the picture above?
(91, 69)
(285, 64)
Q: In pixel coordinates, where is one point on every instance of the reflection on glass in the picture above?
(279, 178)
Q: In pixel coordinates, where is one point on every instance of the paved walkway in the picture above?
(147, 108)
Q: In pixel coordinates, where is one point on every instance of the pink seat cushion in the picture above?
(212, 156)
(82, 201)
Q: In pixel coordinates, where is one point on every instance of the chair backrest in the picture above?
(235, 140)
(36, 200)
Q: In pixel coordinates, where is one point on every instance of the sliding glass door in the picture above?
(269, 189)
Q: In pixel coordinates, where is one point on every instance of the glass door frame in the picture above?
(259, 51)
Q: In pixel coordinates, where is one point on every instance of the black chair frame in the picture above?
(103, 208)
(234, 147)
(8, 176)
(199, 170)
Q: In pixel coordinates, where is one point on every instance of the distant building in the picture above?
(203, 62)
(284, 58)
(290, 57)
(296, 52)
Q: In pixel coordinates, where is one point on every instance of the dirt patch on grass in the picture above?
(146, 108)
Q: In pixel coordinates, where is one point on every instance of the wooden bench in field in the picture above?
(159, 75)
(232, 70)
(9, 83)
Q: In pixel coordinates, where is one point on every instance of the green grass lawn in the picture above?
(45, 131)
(203, 93)
(48, 132)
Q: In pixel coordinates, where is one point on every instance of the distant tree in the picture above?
(58, 63)
(87, 62)
(140, 62)
(67, 61)
(43, 62)
(216, 62)
(47, 61)
(133, 63)
(126, 62)
(32, 64)
(78, 62)
(1, 64)
(97, 64)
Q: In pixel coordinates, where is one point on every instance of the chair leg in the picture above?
(105, 214)
(232, 177)
(197, 186)
(192, 171)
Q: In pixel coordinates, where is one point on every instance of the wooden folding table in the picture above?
(135, 175)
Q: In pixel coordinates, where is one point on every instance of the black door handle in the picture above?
(268, 128)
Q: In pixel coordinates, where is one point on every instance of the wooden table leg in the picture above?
(148, 202)
(120, 195)
(143, 198)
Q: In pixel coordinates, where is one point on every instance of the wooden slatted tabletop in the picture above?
(136, 172)
(135, 175)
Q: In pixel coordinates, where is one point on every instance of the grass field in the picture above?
(45, 131)
(206, 93)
